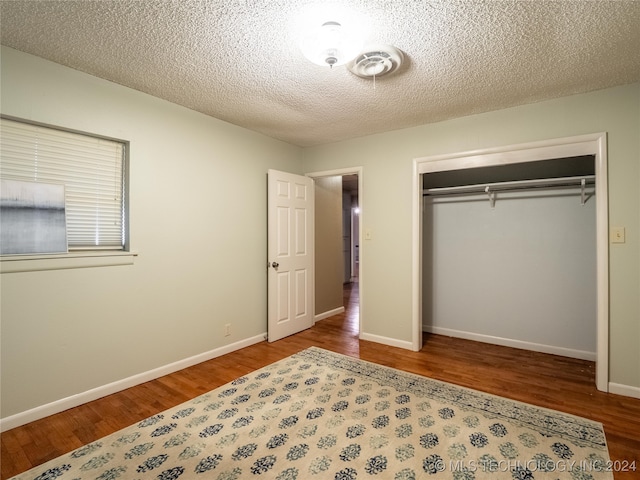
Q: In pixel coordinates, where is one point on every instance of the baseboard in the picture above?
(508, 342)
(75, 400)
(626, 390)
(329, 313)
(392, 342)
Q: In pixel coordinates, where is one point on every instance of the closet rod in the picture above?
(515, 185)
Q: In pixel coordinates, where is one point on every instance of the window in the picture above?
(91, 168)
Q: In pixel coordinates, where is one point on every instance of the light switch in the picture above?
(618, 235)
(367, 234)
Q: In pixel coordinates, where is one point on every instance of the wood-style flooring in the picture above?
(550, 381)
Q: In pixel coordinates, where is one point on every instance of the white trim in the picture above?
(417, 211)
(602, 263)
(63, 404)
(392, 342)
(509, 154)
(76, 259)
(509, 342)
(590, 144)
(329, 313)
(626, 390)
(360, 172)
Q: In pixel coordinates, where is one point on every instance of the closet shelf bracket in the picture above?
(492, 196)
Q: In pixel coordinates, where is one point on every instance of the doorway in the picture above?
(595, 145)
(348, 256)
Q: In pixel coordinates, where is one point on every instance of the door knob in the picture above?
(275, 264)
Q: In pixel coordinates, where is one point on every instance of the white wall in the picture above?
(328, 245)
(521, 274)
(198, 222)
(387, 164)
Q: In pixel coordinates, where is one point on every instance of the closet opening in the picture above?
(498, 264)
(509, 255)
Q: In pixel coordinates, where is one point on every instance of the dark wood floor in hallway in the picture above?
(549, 381)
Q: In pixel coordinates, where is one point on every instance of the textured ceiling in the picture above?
(238, 60)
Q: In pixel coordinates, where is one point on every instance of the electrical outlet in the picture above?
(227, 330)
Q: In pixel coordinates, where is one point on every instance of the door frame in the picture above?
(590, 144)
(341, 172)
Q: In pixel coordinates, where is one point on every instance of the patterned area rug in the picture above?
(321, 415)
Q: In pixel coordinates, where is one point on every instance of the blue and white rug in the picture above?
(322, 415)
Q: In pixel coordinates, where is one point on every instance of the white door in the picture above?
(290, 253)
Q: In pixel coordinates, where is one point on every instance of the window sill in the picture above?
(35, 263)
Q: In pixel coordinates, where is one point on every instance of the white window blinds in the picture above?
(91, 168)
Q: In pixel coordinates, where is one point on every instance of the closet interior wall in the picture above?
(520, 273)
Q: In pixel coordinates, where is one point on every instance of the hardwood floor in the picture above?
(550, 381)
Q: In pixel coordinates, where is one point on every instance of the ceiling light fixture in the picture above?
(330, 45)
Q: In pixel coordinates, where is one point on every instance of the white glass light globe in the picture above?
(330, 45)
